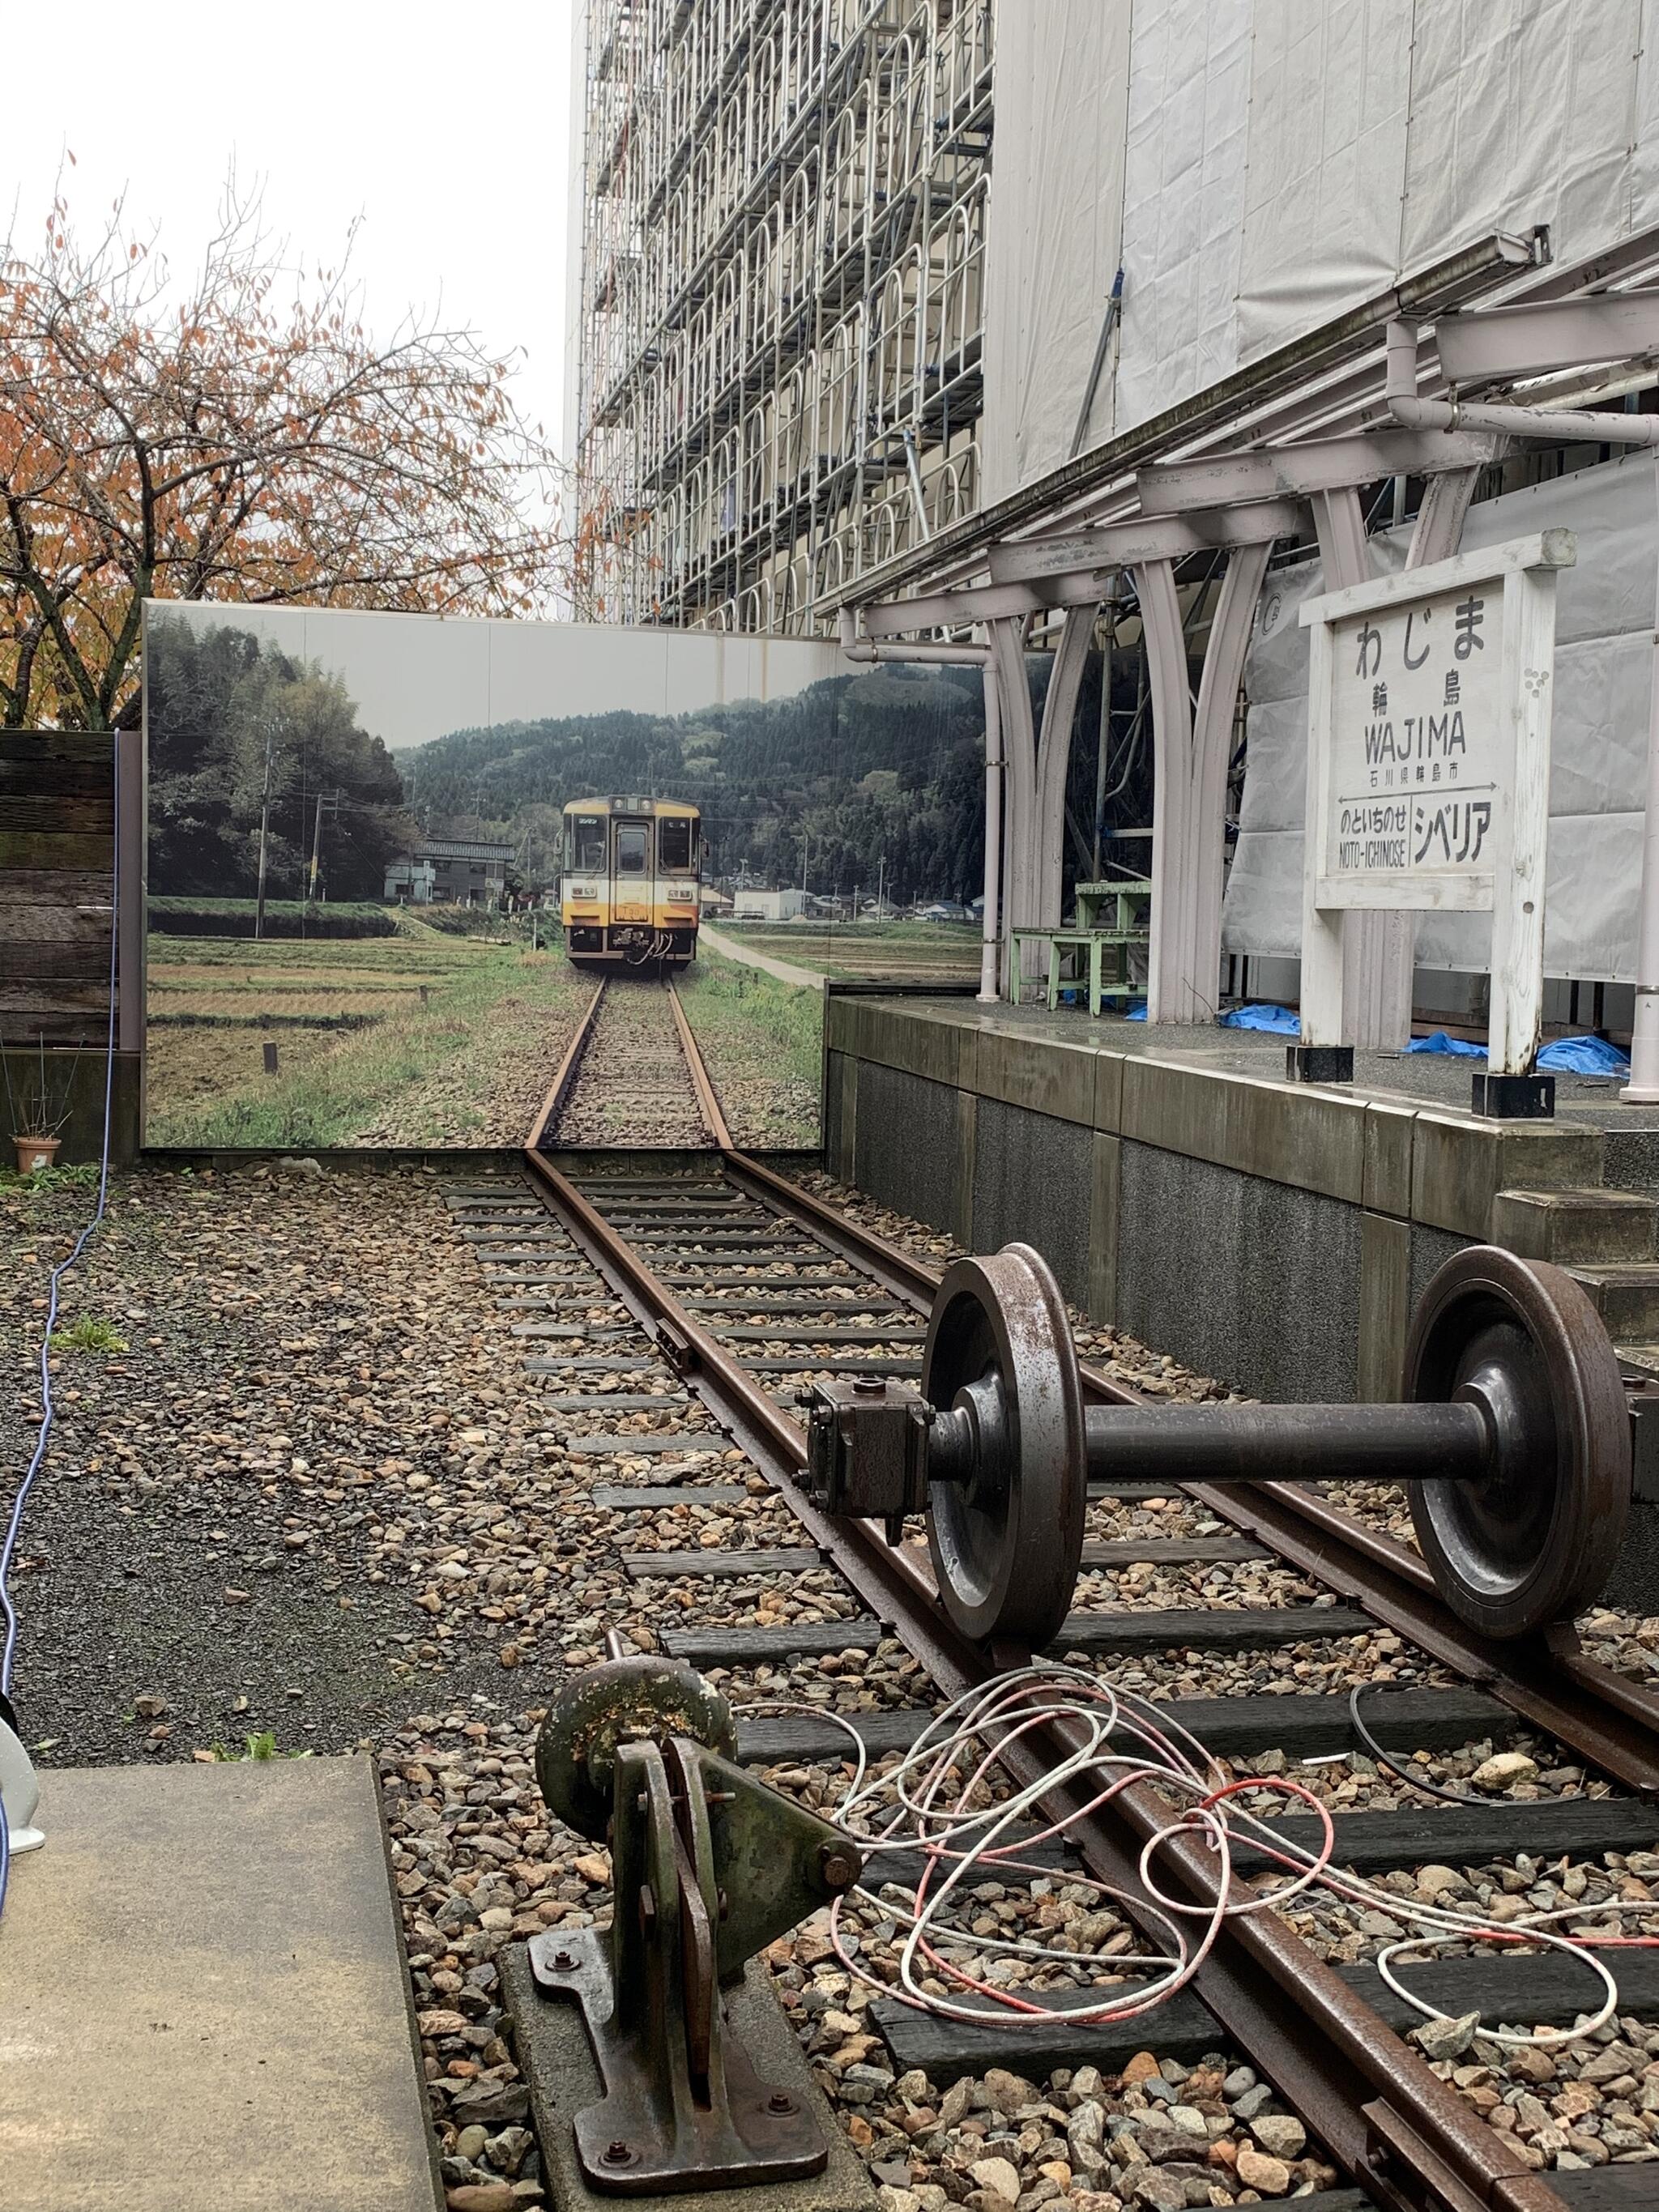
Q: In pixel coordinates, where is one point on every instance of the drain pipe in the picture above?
(1559, 428)
(866, 650)
(991, 944)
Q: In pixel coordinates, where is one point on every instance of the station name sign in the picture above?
(1419, 744)
(1429, 711)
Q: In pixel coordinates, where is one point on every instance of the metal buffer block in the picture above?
(1513, 1440)
(708, 1866)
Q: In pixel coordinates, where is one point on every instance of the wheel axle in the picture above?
(1512, 1438)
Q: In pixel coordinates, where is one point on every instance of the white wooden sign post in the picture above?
(1429, 709)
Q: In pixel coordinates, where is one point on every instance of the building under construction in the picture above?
(1131, 329)
(782, 296)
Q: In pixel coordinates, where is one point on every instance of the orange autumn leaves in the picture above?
(239, 437)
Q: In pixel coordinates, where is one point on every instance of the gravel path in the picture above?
(318, 1496)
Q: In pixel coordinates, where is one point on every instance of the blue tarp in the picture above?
(1137, 1012)
(1574, 1055)
(1280, 1019)
(1584, 1055)
(1454, 1046)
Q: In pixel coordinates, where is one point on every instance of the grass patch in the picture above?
(249, 963)
(83, 1176)
(412, 1073)
(89, 1334)
(897, 951)
(764, 1041)
(779, 1014)
(262, 1746)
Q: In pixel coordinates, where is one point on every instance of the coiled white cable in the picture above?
(925, 1803)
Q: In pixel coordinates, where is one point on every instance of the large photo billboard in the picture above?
(358, 833)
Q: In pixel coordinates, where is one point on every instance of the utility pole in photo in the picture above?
(264, 827)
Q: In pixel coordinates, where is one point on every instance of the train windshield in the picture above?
(630, 849)
(586, 846)
(674, 842)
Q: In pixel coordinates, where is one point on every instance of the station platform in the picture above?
(1273, 1234)
(203, 2001)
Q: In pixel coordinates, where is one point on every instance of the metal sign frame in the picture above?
(1516, 752)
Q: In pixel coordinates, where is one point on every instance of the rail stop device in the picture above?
(1429, 709)
(708, 1866)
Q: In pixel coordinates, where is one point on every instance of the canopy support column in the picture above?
(1018, 733)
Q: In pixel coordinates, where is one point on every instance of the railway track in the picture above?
(673, 1315)
(631, 1076)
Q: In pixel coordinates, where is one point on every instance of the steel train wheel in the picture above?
(1535, 1541)
(1006, 1548)
(602, 1706)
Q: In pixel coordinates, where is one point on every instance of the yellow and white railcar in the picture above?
(628, 893)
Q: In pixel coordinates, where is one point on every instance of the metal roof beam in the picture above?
(1298, 472)
(1154, 538)
(1037, 575)
(949, 610)
(1490, 344)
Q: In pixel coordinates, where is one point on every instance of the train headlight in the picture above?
(583, 890)
(679, 896)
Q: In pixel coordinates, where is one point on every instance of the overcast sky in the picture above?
(445, 128)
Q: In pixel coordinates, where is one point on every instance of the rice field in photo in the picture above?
(425, 1037)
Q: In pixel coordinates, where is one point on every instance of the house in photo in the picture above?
(767, 906)
(450, 871)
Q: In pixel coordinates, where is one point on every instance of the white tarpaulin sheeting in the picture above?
(1522, 112)
(1183, 185)
(1328, 101)
(1604, 662)
(1054, 241)
(1267, 164)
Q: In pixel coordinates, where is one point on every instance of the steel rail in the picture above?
(893, 1267)
(1605, 1717)
(1403, 2135)
(708, 1105)
(567, 1071)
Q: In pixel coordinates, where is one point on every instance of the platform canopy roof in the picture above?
(1326, 384)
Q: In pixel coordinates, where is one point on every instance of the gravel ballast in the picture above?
(318, 1496)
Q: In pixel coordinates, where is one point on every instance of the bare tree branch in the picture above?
(208, 442)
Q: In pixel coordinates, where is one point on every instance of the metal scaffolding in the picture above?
(783, 245)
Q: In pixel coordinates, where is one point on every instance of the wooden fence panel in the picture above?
(56, 851)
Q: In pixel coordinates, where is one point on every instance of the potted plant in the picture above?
(39, 1109)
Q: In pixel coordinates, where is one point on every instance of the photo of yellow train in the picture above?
(628, 890)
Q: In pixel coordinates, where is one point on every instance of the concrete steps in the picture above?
(1627, 1297)
(1606, 1239)
(1575, 1227)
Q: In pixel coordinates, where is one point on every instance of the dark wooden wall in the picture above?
(57, 844)
(57, 830)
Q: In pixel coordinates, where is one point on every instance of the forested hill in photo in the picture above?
(883, 768)
(223, 711)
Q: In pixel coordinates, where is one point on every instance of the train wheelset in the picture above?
(1512, 1438)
